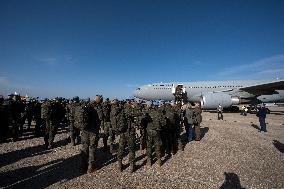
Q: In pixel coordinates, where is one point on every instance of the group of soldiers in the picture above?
(156, 128)
(13, 114)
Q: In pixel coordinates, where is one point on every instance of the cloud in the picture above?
(48, 61)
(270, 67)
(272, 71)
(56, 60)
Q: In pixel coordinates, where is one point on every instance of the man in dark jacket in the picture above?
(261, 114)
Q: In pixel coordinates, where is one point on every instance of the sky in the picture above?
(77, 47)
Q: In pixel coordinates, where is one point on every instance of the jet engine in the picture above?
(212, 100)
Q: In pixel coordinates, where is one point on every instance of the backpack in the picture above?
(171, 117)
(121, 122)
(54, 112)
(81, 116)
(45, 110)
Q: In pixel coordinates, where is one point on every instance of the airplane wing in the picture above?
(265, 88)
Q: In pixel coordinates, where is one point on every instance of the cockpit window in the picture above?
(137, 89)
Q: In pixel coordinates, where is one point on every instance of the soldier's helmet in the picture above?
(114, 101)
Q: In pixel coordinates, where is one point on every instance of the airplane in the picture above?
(212, 93)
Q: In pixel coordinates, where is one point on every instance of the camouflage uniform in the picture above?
(4, 120)
(154, 125)
(56, 113)
(142, 130)
(37, 117)
(173, 122)
(99, 109)
(106, 107)
(165, 132)
(188, 121)
(45, 110)
(126, 132)
(115, 109)
(16, 108)
(197, 118)
(73, 131)
(29, 113)
(90, 138)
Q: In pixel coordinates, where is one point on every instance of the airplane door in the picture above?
(180, 93)
(178, 88)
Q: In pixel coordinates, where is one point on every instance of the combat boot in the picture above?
(141, 148)
(72, 141)
(50, 146)
(111, 150)
(132, 167)
(76, 141)
(197, 138)
(180, 146)
(91, 169)
(119, 165)
(159, 163)
(105, 149)
(149, 163)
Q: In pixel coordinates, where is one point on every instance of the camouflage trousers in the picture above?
(73, 131)
(39, 122)
(108, 134)
(50, 131)
(127, 139)
(15, 128)
(143, 138)
(175, 142)
(197, 132)
(167, 143)
(153, 139)
(89, 146)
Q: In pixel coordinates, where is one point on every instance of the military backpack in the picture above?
(82, 116)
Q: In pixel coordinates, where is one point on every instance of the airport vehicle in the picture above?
(212, 93)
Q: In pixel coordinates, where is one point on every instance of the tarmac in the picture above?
(231, 154)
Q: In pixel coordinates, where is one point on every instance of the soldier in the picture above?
(29, 113)
(165, 132)
(126, 132)
(73, 131)
(188, 121)
(97, 105)
(142, 129)
(106, 107)
(115, 109)
(45, 113)
(56, 113)
(87, 120)
(220, 112)
(174, 115)
(4, 120)
(17, 108)
(154, 125)
(37, 118)
(261, 114)
(197, 119)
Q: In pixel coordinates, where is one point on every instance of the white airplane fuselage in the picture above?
(196, 90)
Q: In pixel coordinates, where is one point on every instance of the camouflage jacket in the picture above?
(197, 118)
(98, 107)
(154, 119)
